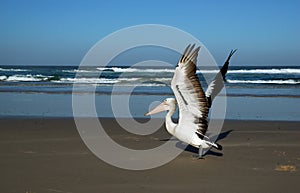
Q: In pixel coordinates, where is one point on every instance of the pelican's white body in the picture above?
(183, 131)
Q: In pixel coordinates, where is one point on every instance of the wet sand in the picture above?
(48, 155)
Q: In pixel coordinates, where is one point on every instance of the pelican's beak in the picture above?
(162, 107)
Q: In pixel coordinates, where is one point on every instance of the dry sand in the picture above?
(48, 156)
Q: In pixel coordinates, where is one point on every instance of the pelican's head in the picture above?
(169, 104)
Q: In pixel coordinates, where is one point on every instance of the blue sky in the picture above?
(62, 31)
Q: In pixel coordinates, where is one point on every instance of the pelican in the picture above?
(192, 102)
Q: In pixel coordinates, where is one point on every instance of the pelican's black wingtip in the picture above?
(232, 52)
(229, 56)
(218, 146)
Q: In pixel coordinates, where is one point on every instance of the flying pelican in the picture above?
(193, 103)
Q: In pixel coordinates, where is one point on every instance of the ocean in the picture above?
(241, 80)
(20, 84)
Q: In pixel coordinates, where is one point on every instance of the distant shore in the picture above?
(48, 155)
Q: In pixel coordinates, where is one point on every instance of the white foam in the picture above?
(87, 80)
(13, 70)
(95, 80)
(163, 80)
(255, 71)
(144, 84)
(3, 77)
(207, 71)
(150, 84)
(117, 69)
(22, 78)
(79, 71)
(267, 71)
(289, 81)
(26, 78)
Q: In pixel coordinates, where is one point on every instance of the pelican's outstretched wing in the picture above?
(217, 84)
(192, 102)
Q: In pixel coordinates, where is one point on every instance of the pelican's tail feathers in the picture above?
(217, 146)
(209, 142)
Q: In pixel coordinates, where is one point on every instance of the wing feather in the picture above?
(215, 87)
(192, 101)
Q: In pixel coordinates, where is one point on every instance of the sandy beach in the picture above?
(48, 155)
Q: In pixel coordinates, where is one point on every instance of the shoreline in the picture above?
(120, 93)
(48, 155)
(60, 105)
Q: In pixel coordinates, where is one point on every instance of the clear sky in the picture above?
(266, 32)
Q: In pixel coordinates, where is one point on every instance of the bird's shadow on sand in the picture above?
(193, 149)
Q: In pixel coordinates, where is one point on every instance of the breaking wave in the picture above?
(289, 81)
